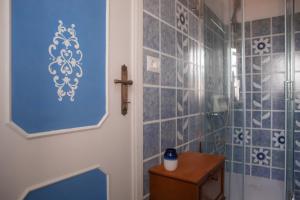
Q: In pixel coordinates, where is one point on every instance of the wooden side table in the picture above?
(198, 177)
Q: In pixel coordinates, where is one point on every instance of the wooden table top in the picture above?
(192, 167)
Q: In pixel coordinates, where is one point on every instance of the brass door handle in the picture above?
(124, 82)
(124, 89)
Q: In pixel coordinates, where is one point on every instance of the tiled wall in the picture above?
(297, 106)
(265, 105)
(172, 97)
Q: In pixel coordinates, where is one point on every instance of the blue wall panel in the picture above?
(91, 185)
(43, 33)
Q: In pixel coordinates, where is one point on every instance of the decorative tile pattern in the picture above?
(182, 18)
(261, 156)
(240, 138)
(278, 139)
(261, 45)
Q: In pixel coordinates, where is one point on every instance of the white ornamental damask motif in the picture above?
(66, 58)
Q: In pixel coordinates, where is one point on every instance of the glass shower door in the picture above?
(289, 98)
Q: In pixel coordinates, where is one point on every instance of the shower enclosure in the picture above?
(250, 54)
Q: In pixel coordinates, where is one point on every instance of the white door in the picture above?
(25, 163)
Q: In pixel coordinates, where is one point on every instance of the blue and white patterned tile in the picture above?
(182, 19)
(261, 156)
(168, 135)
(297, 141)
(186, 74)
(152, 6)
(278, 25)
(167, 11)
(260, 171)
(278, 120)
(256, 119)
(179, 73)
(185, 102)
(168, 71)
(266, 82)
(151, 140)
(179, 45)
(168, 39)
(256, 64)
(278, 139)
(240, 138)
(297, 161)
(256, 101)
(261, 27)
(297, 121)
(266, 119)
(278, 44)
(146, 166)
(261, 137)
(297, 180)
(180, 106)
(182, 133)
(266, 101)
(168, 103)
(151, 32)
(256, 83)
(278, 158)
(261, 46)
(185, 48)
(228, 152)
(278, 174)
(297, 101)
(151, 103)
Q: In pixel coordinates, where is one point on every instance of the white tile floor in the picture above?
(255, 188)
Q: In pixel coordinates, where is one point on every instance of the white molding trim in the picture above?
(62, 178)
(17, 128)
(137, 109)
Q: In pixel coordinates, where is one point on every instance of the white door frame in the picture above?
(137, 99)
